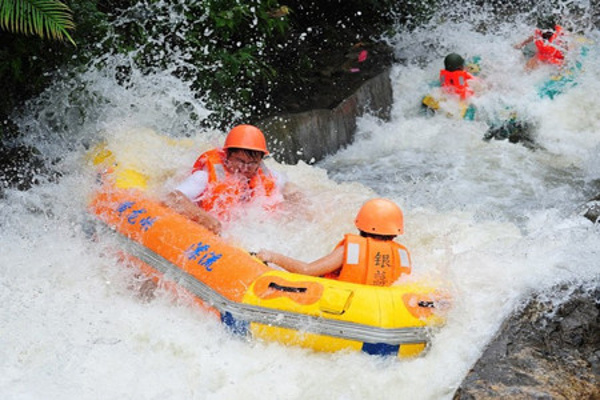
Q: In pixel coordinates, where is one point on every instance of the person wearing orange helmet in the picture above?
(372, 257)
(225, 178)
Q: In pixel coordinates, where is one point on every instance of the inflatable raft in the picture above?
(504, 123)
(568, 74)
(254, 299)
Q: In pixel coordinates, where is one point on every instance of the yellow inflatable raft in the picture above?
(254, 299)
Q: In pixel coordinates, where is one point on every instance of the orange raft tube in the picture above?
(254, 299)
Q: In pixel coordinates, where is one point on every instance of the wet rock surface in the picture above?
(336, 73)
(311, 135)
(317, 115)
(593, 210)
(548, 350)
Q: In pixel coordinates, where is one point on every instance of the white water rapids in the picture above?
(493, 221)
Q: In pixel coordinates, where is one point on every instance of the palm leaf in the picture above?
(45, 18)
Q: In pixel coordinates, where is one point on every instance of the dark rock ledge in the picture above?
(548, 350)
(593, 210)
(322, 120)
(311, 135)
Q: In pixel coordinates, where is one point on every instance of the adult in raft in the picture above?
(223, 179)
(547, 45)
(372, 257)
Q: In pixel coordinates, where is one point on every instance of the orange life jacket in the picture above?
(549, 50)
(225, 190)
(372, 262)
(456, 82)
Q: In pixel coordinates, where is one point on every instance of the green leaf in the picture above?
(49, 19)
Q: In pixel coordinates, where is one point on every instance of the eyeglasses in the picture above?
(244, 163)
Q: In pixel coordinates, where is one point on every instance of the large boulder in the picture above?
(548, 350)
(311, 135)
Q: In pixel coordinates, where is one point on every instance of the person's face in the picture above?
(240, 162)
(547, 34)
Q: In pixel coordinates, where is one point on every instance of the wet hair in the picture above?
(385, 238)
(253, 154)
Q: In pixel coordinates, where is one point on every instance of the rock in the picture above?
(311, 135)
(317, 116)
(593, 211)
(548, 350)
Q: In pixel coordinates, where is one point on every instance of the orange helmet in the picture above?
(381, 217)
(246, 137)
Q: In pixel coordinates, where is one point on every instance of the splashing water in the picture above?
(494, 220)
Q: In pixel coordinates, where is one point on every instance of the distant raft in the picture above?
(569, 74)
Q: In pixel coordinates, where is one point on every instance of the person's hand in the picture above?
(209, 222)
(294, 197)
(292, 193)
(184, 206)
(265, 255)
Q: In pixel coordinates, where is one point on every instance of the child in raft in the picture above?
(371, 258)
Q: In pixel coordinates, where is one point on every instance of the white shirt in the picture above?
(194, 185)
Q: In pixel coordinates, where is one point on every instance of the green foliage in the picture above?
(45, 18)
(234, 53)
(28, 64)
(237, 53)
(240, 33)
(220, 46)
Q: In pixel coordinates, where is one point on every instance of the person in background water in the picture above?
(371, 258)
(547, 45)
(454, 78)
(228, 177)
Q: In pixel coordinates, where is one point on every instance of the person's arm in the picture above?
(524, 42)
(292, 194)
(180, 203)
(323, 265)
(293, 198)
(477, 84)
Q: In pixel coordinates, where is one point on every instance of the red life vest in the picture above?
(225, 190)
(371, 262)
(456, 82)
(549, 50)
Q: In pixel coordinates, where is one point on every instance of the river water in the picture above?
(491, 221)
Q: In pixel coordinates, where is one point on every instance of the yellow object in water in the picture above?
(128, 158)
(102, 158)
(432, 103)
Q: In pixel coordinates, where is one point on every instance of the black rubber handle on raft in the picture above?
(426, 304)
(289, 289)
